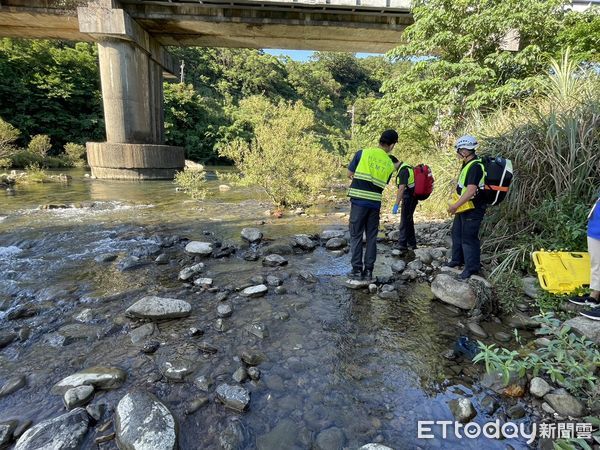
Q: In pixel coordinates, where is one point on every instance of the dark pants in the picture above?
(363, 220)
(465, 239)
(407, 222)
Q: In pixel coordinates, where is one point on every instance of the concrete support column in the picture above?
(131, 74)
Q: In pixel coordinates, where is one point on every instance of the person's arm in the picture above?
(350, 174)
(353, 164)
(400, 193)
(468, 195)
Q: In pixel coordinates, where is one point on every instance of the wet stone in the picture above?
(106, 257)
(516, 412)
(252, 234)
(501, 336)
(336, 244)
(274, 260)
(234, 397)
(356, 284)
(258, 329)
(251, 255)
(143, 422)
(22, 428)
(96, 411)
(130, 263)
(221, 296)
(331, 234)
(398, 266)
(159, 308)
(98, 376)
(565, 404)
(203, 383)
(240, 375)
(12, 385)
(252, 359)
(274, 281)
(195, 404)
(539, 387)
(63, 432)
(258, 279)
(462, 409)
(331, 439)
(489, 405)
(207, 348)
(176, 370)
(280, 290)
(161, 259)
(140, 334)
(254, 373)
(224, 310)
(6, 432)
(304, 242)
(189, 272)
(283, 436)
(150, 347)
(220, 325)
(477, 330)
(7, 338)
(203, 282)
(307, 277)
(199, 248)
(255, 291)
(78, 396)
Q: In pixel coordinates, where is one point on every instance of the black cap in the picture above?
(388, 137)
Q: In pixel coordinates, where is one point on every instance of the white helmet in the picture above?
(467, 141)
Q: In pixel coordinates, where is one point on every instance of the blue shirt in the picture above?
(594, 222)
(359, 201)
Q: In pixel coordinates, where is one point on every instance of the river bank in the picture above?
(324, 366)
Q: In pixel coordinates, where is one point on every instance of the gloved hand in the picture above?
(395, 209)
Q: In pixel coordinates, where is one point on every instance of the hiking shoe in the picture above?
(412, 247)
(356, 274)
(464, 276)
(593, 314)
(452, 264)
(585, 300)
(368, 275)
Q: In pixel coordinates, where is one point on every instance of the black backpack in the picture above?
(498, 177)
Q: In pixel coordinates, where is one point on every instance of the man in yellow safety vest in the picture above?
(370, 171)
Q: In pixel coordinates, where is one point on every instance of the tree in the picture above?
(284, 156)
(8, 135)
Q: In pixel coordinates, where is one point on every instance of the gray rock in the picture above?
(189, 272)
(12, 385)
(240, 375)
(159, 308)
(283, 436)
(501, 336)
(331, 439)
(252, 359)
(130, 263)
(176, 370)
(307, 277)
(204, 282)
(96, 411)
(424, 255)
(305, 242)
(195, 332)
(277, 248)
(398, 266)
(477, 330)
(221, 296)
(220, 325)
(496, 382)
(565, 404)
(539, 387)
(234, 397)
(516, 412)
(161, 259)
(140, 334)
(489, 405)
(531, 287)
(356, 284)
(336, 244)
(274, 281)
(203, 383)
(252, 234)
(224, 310)
(393, 235)
(64, 432)
(6, 432)
(258, 329)
(150, 347)
(98, 376)
(7, 338)
(372, 288)
(331, 234)
(375, 447)
(449, 290)
(195, 405)
(255, 291)
(522, 321)
(274, 260)
(22, 428)
(280, 290)
(254, 373)
(106, 257)
(462, 409)
(78, 396)
(583, 326)
(199, 248)
(142, 422)
(417, 264)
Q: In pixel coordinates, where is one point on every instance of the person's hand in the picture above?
(395, 209)
(452, 209)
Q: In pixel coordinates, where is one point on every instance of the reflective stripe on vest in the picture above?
(374, 170)
(462, 178)
(411, 175)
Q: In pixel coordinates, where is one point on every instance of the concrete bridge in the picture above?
(131, 36)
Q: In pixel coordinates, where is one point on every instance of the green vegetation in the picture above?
(566, 360)
(192, 181)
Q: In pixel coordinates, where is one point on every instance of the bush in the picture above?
(8, 135)
(284, 157)
(40, 145)
(192, 181)
(567, 360)
(76, 154)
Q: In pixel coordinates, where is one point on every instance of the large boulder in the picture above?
(424, 255)
(304, 242)
(274, 260)
(78, 396)
(330, 234)
(531, 287)
(252, 234)
(233, 396)
(99, 377)
(155, 308)
(255, 291)
(61, 433)
(336, 243)
(199, 248)
(585, 327)
(565, 404)
(189, 272)
(142, 422)
(539, 387)
(454, 292)
(462, 409)
(522, 321)
(398, 266)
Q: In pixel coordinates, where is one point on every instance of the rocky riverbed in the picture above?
(164, 323)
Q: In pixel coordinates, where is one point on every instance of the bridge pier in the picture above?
(131, 74)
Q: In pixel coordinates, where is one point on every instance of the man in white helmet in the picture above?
(466, 249)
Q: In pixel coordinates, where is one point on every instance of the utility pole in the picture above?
(182, 67)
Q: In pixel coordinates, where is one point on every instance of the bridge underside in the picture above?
(132, 34)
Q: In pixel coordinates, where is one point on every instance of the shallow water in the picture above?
(345, 359)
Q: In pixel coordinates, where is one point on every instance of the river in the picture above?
(334, 359)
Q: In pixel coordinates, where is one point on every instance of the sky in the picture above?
(304, 55)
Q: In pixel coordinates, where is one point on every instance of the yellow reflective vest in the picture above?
(372, 174)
